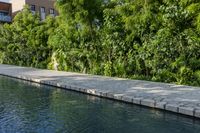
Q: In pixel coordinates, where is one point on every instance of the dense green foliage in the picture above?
(156, 40)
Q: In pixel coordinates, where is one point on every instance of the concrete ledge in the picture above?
(137, 100)
(109, 95)
(103, 94)
(186, 111)
(118, 97)
(132, 91)
(147, 102)
(90, 91)
(172, 107)
(127, 99)
(197, 113)
(160, 105)
(97, 93)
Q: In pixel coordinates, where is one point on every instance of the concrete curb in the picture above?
(163, 105)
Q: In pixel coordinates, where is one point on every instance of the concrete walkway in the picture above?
(175, 98)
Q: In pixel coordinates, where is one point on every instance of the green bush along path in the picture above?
(156, 40)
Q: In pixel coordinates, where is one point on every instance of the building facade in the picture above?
(5, 12)
(43, 7)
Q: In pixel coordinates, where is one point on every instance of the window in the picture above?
(51, 11)
(42, 10)
(32, 7)
(42, 13)
(3, 13)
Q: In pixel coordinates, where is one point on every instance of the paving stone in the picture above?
(53, 83)
(97, 93)
(137, 100)
(104, 94)
(148, 102)
(186, 111)
(160, 105)
(127, 99)
(63, 86)
(118, 96)
(172, 107)
(46, 82)
(90, 91)
(109, 95)
(57, 85)
(68, 87)
(197, 113)
(82, 90)
(74, 88)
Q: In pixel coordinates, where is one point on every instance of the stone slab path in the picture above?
(175, 98)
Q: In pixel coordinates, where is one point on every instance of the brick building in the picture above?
(43, 7)
(5, 12)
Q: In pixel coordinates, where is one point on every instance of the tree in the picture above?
(155, 40)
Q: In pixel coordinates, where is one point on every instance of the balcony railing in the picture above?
(4, 18)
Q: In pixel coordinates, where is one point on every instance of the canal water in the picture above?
(32, 108)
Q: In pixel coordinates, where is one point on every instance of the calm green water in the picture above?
(30, 108)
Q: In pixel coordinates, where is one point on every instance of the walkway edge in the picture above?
(177, 108)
